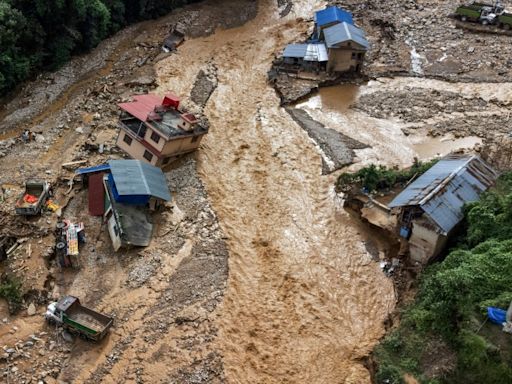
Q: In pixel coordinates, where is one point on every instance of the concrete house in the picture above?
(430, 208)
(155, 130)
(347, 46)
(132, 189)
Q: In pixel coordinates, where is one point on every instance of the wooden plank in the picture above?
(96, 195)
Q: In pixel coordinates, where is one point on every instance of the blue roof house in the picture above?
(131, 189)
(431, 207)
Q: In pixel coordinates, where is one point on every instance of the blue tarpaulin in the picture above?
(497, 315)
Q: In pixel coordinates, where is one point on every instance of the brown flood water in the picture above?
(304, 302)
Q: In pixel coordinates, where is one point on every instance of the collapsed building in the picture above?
(157, 130)
(124, 192)
(431, 207)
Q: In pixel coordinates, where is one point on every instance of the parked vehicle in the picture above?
(77, 319)
(33, 199)
(480, 12)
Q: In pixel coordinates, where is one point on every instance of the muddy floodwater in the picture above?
(305, 302)
(334, 107)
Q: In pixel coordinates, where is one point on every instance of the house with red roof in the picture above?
(156, 130)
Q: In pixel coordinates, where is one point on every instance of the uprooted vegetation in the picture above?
(443, 336)
(379, 177)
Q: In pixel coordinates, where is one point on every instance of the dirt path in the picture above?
(304, 302)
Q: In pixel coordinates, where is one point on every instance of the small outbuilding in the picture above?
(430, 208)
(308, 57)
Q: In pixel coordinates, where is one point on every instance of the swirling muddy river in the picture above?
(304, 301)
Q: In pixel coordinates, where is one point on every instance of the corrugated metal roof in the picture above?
(442, 191)
(98, 168)
(316, 52)
(134, 177)
(143, 105)
(332, 14)
(295, 50)
(343, 32)
(308, 52)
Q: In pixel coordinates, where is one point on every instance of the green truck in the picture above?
(77, 319)
(480, 12)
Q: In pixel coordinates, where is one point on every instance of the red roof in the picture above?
(189, 117)
(143, 105)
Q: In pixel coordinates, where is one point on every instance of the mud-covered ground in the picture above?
(254, 274)
(172, 287)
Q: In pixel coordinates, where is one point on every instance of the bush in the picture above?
(10, 290)
(376, 178)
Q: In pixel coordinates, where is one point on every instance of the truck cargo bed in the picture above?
(88, 318)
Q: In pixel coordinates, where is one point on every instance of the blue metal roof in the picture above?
(343, 32)
(134, 177)
(295, 50)
(98, 168)
(331, 15)
(442, 191)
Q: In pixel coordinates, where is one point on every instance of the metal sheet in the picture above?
(142, 105)
(295, 50)
(344, 32)
(316, 52)
(99, 168)
(134, 177)
(331, 15)
(442, 191)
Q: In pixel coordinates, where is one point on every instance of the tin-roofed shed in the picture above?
(133, 179)
(432, 206)
(308, 57)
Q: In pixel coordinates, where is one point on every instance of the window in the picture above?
(148, 155)
(359, 55)
(127, 139)
(155, 137)
(353, 55)
(194, 139)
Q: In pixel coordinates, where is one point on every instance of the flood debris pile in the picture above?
(395, 28)
(439, 112)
